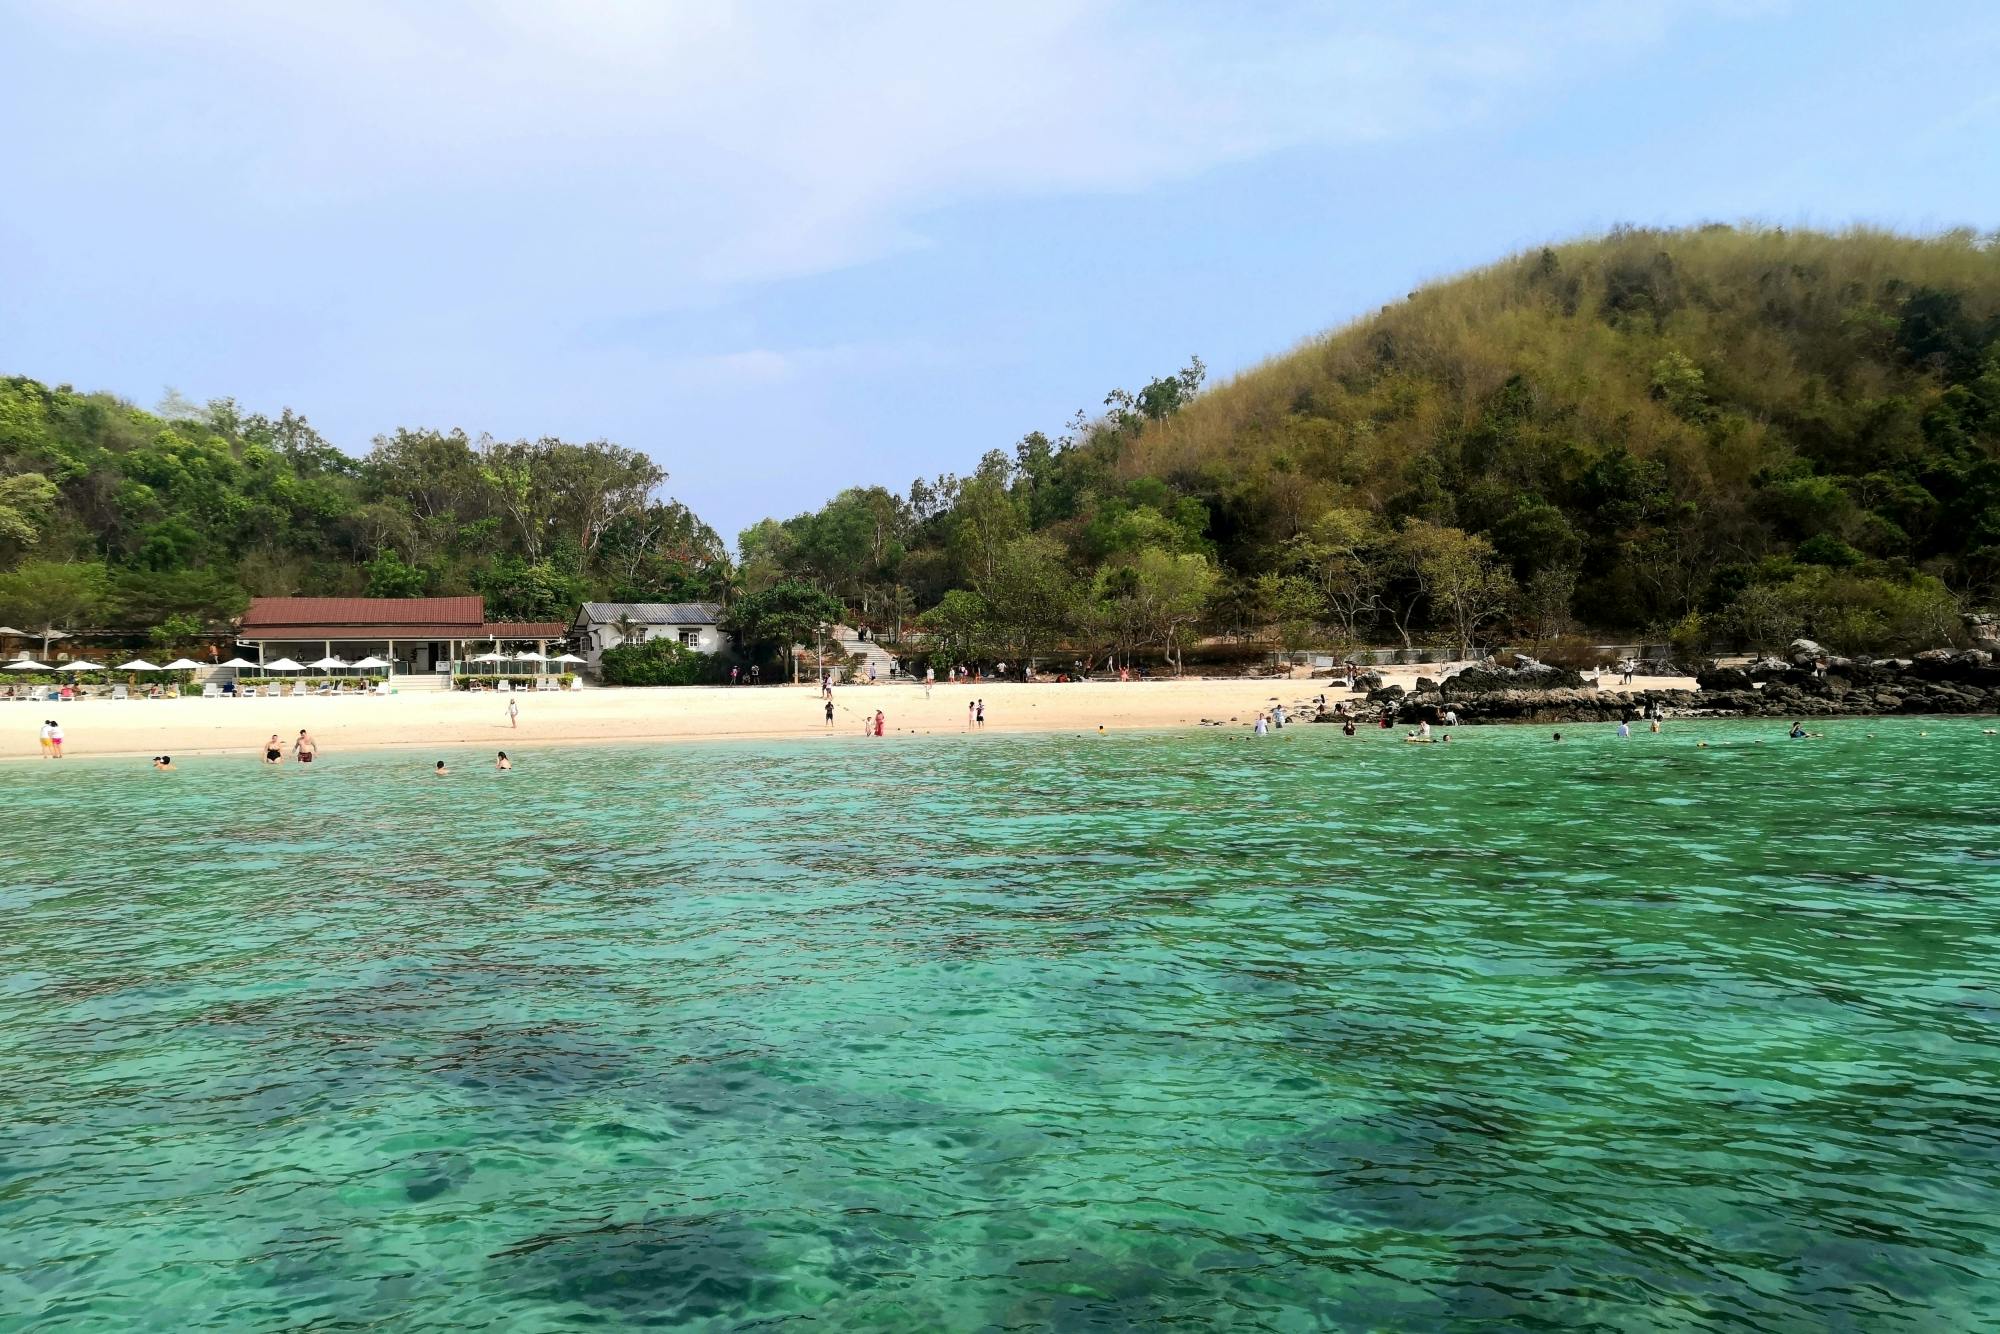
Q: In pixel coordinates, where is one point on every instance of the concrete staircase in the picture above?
(414, 682)
(870, 651)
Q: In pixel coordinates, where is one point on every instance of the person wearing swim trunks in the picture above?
(305, 747)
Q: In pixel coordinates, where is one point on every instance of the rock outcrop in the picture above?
(1530, 675)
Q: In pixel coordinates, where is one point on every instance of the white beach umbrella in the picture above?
(139, 665)
(17, 634)
(491, 657)
(568, 657)
(370, 662)
(238, 663)
(283, 665)
(182, 665)
(81, 666)
(530, 655)
(28, 665)
(327, 662)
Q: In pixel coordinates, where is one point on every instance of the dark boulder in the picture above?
(1529, 676)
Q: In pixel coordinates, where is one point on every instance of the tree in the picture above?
(1543, 605)
(389, 577)
(1292, 605)
(1031, 594)
(1341, 553)
(62, 595)
(175, 629)
(25, 501)
(962, 625)
(781, 616)
(1170, 592)
(1456, 574)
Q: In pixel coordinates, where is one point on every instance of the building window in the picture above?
(691, 638)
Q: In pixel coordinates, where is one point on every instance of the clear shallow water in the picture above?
(1018, 1033)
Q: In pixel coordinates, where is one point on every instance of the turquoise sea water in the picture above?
(1012, 1033)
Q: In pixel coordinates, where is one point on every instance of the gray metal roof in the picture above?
(653, 613)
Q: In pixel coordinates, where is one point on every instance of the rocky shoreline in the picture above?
(1810, 683)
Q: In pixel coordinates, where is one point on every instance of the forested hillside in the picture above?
(1717, 436)
(114, 518)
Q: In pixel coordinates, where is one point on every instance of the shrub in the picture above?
(660, 662)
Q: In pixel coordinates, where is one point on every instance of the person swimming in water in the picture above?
(164, 763)
(438, 770)
(503, 763)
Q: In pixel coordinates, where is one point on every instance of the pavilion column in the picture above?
(392, 657)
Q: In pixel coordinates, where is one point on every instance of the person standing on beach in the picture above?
(930, 679)
(55, 739)
(979, 717)
(305, 747)
(47, 732)
(513, 713)
(755, 673)
(829, 715)
(274, 750)
(970, 710)
(879, 721)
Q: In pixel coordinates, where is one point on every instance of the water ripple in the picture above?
(1007, 1032)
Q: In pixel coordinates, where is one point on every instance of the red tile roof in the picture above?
(371, 618)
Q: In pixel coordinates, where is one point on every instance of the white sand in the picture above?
(194, 726)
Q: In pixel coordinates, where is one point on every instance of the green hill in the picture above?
(1728, 435)
(1721, 436)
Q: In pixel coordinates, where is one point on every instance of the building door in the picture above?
(422, 657)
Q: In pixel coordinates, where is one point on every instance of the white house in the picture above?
(603, 625)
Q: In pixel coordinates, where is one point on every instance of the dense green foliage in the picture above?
(767, 620)
(1715, 436)
(659, 662)
(1712, 437)
(111, 517)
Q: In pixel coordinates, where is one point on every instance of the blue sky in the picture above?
(789, 248)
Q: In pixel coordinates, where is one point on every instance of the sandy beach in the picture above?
(194, 726)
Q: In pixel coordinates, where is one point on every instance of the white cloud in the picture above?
(649, 153)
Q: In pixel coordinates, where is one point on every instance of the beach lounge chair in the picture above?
(505, 687)
(120, 692)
